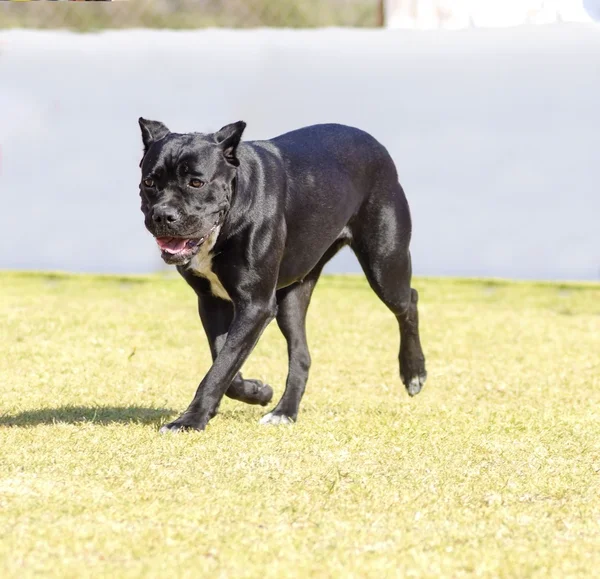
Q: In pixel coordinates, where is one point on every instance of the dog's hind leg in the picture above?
(293, 302)
(216, 316)
(381, 238)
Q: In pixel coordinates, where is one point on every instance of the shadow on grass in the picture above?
(95, 415)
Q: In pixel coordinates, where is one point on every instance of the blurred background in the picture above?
(489, 108)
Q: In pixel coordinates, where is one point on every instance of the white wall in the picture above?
(456, 14)
(495, 133)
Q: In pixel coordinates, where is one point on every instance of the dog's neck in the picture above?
(239, 201)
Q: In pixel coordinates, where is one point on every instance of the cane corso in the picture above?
(250, 225)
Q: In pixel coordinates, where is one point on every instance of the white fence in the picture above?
(457, 14)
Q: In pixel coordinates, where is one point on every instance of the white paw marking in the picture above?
(415, 385)
(201, 265)
(276, 419)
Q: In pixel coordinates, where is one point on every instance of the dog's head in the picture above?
(186, 185)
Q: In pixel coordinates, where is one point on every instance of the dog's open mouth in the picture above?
(176, 245)
(178, 250)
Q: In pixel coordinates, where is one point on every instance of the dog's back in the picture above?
(329, 171)
(320, 149)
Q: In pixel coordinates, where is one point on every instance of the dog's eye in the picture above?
(196, 183)
(149, 182)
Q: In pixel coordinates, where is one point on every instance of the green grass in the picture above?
(493, 470)
(190, 14)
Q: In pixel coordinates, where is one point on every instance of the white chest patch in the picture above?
(201, 265)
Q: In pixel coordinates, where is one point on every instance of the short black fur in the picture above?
(273, 213)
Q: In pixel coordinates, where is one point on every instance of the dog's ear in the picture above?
(228, 138)
(152, 131)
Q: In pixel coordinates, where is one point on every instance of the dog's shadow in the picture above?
(95, 414)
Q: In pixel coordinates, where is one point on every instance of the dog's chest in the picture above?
(201, 265)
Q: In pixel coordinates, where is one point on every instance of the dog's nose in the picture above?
(164, 214)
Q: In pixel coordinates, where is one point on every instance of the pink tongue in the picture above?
(171, 244)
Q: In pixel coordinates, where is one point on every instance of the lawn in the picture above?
(493, 470)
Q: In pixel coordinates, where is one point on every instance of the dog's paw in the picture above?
(178, 426)
(415, 384)
(250, 392)
(169, 429)
(262, 393)
(273, 418)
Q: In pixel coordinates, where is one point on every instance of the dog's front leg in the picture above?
(249, 321)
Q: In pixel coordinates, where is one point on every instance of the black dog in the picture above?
(250, 226)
